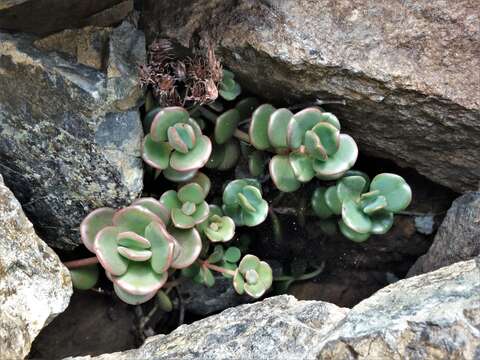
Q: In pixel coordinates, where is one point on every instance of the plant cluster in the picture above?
(150, 244)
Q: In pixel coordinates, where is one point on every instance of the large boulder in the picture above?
(433, 316)
(34, 285)
(43, 17)
(70, 134)
(407, 70)
(457, 239)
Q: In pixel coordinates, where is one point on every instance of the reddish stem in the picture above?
(80, 263)
(216, 268)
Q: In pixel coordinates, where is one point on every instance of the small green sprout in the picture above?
(253, 277)
(229, 89)
(243, 202)
(84, 278)
(217, 227)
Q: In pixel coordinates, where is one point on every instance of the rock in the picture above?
(76, 332)
(202, 301)
(433, 316)
(457, 239)
(34, 285)
(276, 328)
(70, 135)
(42, 17)
(407, 70)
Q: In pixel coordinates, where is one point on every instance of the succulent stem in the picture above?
(216, 268)
(80, 263)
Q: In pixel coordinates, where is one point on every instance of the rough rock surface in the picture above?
(408, 70)
(457, 239)
(34, 285)
(56, 15)
(70, 135)
(432, 316)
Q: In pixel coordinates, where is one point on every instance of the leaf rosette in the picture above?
(252, 276)
(136, 248)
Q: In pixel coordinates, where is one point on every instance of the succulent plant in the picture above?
(365, 208)
(187, 205)
(217, 227)
(224, 156)
(229, 89)
(253, 277)
(135, 248)
(176, 142)
(308, 143)
(243, 202)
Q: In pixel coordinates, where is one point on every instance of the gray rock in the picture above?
(433, 316)
(457, 239)
(203, 301)
(43, 17)
(408, 70)
(34, 285)
(70, 135)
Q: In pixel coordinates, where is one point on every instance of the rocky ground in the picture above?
(70, 135)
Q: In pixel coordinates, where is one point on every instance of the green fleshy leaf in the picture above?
(256, 163)
(362, 174)
(354, 218)
(265, 274)
(351, 234)
(339, 162)
(245, 204)
(93, 223)
(132, 240)
(130, 298)
(156, 154)
(234, 212)
(202, 212)
(105, 247)
(246, 107)
(236, 186)
(377, 204)
(255, 290)
(84, 278)
(277, 127)
(314, 147)
(331, 119)
(259, 127)
(232, 254)
(155, 207)
(139, 279)
(395, 190)
(283, 174)
(170, 200)
(229, 266)
(255, 218)
(226, 125)
(195, 158)
(229, 89)
(350, 188)
(302, 166)
(319, 205)
(249, 262)
(179, 176)
(217, 255)
(134, 254)
(382, 221)
(162, 247)
(239, 283)
(299, 124)
(329, 137)
(181, 137)
(253, 195)
(148, 120)
(225, 232)
(204, 181)
(192, 192)
(332, 200)
(187, 247)
(181, 220)
(134, 218)
(164, 301)
(167, 117)
(207, 276)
